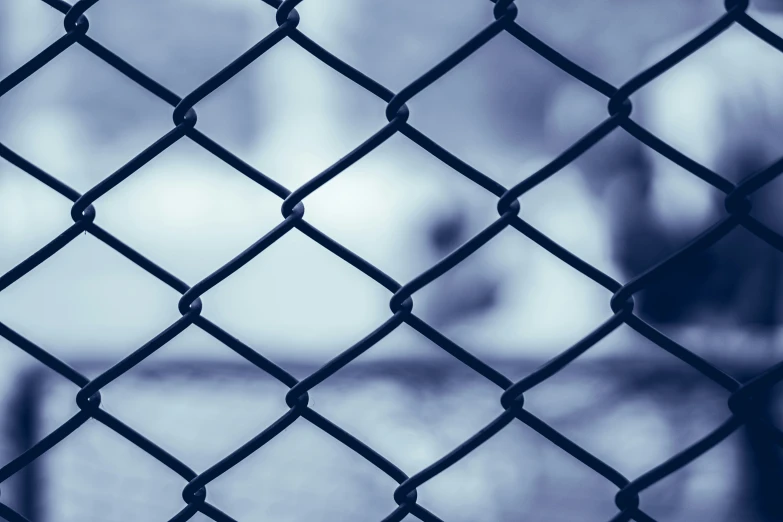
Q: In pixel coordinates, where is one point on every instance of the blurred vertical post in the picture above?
(762, 461)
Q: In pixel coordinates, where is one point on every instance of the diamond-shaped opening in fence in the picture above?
(393, 43)
(567, 209)
(189, 211)
(722, 484)
(79, 119)
(515, 476)
(304, 474)
(197, 406)
(491, 110)
(511, 297)
(401, 209)
(612, 41)
(633, 406)
(180, 43)
(300, 300)
(28, 28)
(564, 488)
(96, 474)
(408, 399)
(732, 284)
(87, 299)
(31, 215)
(304, 112)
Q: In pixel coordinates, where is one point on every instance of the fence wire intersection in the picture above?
(741, 397)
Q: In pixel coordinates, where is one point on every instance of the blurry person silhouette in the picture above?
(723, 107)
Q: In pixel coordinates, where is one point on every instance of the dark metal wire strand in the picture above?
(741, 397)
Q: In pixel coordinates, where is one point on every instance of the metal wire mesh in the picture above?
(741, 397)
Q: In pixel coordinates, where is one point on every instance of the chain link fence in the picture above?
(743, 399)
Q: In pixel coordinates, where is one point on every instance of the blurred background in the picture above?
(504, 110)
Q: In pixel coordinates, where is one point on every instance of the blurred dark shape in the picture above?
(448, 231)
(763, 461)
(25, 428)
(764, 472)
(735, 280)
(465, 294)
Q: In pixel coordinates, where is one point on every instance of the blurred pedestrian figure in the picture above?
(723, 107)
